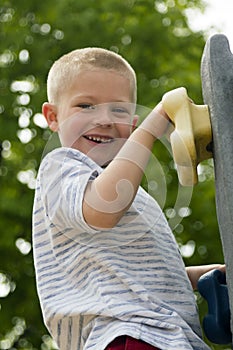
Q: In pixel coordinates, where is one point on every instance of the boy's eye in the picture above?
(86, 106)
(119, 110)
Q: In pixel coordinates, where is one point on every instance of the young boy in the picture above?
(109, 274)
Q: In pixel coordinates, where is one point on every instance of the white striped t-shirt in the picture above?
(96, 285)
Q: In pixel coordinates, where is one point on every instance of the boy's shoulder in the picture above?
(63, 161)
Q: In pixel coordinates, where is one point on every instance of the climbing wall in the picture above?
(217, 88)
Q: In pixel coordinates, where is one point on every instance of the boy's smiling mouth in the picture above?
(98, 138)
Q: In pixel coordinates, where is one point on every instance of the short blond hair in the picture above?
(64, 69)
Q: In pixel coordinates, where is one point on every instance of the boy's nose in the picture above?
(103, 117)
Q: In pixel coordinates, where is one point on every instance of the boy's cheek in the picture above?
(125, 130)
(70, 131)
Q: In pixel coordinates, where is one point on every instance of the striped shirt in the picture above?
(95, 285)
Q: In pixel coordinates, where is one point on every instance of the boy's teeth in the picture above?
(98, 139)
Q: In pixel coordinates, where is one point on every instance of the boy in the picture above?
(109, 274)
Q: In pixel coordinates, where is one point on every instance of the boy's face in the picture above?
(95, 114)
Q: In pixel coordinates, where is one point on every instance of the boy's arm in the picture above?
(109, 196)
(195, 272)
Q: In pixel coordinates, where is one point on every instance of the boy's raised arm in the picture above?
(109, 196)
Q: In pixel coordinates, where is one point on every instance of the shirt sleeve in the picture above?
(63, 177)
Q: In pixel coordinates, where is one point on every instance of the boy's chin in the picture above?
(103, 156)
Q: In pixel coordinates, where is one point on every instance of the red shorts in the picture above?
(127, 343)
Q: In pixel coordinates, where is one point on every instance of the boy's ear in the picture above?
(49, 111)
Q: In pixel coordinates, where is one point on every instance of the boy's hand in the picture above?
(157, 122)
(195, 272)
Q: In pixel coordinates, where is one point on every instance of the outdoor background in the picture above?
(154, 36)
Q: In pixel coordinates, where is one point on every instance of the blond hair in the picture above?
(64, 69)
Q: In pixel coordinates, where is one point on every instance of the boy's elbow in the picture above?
(103, 210)
(98, 219)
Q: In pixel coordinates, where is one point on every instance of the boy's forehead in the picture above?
(99, 81)
(95, 72)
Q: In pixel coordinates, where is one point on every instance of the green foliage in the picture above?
(155, 38)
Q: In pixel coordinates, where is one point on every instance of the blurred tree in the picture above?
(155, 38)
